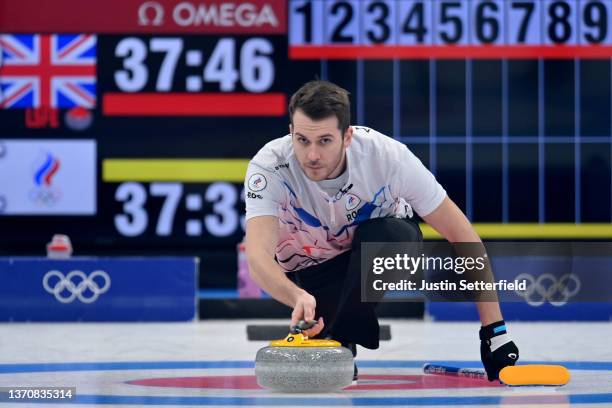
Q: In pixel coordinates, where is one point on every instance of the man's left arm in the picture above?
(452, 224)
(497, 350)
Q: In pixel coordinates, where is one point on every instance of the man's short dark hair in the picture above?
(321, 99)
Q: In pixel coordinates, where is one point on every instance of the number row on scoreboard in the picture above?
(447, 22)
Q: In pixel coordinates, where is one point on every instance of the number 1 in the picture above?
(306, 9)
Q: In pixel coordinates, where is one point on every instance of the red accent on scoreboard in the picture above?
(144, 16)
(350, 52)
(185, 104)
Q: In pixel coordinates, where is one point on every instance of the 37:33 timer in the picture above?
(167, 209)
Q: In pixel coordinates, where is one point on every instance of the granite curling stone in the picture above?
(299, 364)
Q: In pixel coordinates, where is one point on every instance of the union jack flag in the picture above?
(56, 71)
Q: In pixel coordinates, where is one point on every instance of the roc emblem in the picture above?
(352, 202)
(257, 182)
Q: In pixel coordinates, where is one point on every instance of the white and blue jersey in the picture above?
(383, 178)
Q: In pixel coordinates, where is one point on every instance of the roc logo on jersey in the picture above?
(352, 202)
(257, 182)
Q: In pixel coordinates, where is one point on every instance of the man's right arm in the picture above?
(261, 241)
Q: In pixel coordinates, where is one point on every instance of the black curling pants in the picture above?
(336, 283)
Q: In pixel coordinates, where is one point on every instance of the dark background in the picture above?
(511, 141)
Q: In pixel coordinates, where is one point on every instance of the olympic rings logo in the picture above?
(548, 288)
(76, 285)
(45, 196)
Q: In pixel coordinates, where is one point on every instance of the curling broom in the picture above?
(529, 374)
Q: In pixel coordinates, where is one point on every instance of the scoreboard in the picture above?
(507, 23)
(129, 124)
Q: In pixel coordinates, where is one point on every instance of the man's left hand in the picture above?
(497, 350)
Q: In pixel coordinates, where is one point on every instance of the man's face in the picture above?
(319, 145)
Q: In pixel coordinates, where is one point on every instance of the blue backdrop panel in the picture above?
(98, 289)
(585, 297)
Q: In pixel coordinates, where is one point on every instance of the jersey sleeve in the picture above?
(263, 192)
(416, 184)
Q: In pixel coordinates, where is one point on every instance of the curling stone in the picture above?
(299, 364)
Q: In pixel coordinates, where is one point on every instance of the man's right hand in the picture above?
(304, 309)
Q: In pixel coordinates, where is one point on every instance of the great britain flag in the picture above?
(55, 70)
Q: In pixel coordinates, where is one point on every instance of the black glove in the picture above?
(496, 349)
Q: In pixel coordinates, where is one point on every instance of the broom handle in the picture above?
(439, 369)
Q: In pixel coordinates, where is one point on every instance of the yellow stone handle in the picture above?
(299, 340)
